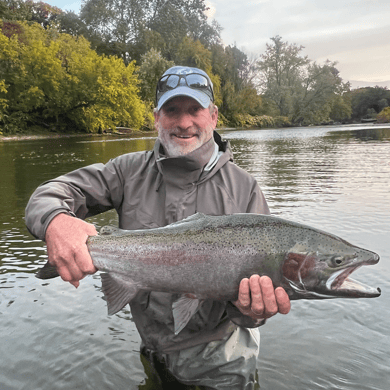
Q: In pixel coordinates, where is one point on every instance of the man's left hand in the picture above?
(258, 299)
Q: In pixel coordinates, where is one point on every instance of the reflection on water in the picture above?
(55, 337)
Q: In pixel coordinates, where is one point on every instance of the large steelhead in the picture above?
(207, 256)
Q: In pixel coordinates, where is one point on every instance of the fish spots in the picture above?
(298, 266)
(171, 256)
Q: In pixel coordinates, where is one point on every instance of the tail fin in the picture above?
(48, 271)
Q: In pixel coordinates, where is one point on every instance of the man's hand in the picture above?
(66, 239)
(258, 299)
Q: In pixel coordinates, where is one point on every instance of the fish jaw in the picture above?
(341, 285)
(324, 282)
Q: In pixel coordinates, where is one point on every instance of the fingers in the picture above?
(66, 239)
(264, 303)
(258, 299)
(283, 300)
(244, 297)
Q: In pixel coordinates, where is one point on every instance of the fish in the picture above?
(205, 257)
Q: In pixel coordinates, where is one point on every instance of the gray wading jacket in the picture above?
(148, 190)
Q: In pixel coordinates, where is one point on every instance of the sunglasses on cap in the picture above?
(194, 81)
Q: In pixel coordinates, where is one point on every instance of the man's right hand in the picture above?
(66, 239)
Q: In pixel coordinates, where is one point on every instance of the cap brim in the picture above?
(195, 94)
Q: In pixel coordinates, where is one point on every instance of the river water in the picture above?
(53, 336)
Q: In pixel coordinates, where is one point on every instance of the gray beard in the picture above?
(172, 149)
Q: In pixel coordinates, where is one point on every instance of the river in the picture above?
(53, 336)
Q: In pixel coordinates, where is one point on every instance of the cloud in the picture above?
(353, 32)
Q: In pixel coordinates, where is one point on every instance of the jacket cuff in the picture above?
(49, 216)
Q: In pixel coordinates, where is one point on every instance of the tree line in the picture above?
(98, 70)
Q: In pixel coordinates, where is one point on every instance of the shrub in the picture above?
(384, 115)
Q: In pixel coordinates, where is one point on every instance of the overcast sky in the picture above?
(355, 33)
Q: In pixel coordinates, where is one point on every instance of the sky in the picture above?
(355, 33)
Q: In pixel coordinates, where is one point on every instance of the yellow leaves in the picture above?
(3, 100)
(33, 97)
(8, 48)
(193, 53)
(384, 115)
(58, 79)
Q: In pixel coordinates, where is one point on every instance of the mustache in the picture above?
(177, 130)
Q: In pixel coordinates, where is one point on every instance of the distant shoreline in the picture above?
(130, 132)
(49, 135)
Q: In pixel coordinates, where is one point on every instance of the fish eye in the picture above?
(337, 260)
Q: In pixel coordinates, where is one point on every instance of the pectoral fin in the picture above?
(183, 309)
(118, 292)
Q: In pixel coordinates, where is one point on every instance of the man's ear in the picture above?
(214, 116)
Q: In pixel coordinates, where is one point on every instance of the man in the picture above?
(190, 170)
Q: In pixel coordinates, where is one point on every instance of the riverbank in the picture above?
(121, 131)
(50, 134)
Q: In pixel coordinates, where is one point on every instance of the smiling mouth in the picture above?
(184, 136)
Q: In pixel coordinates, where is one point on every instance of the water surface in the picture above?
(53, 336)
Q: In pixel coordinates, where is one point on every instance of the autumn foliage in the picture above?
(56, 81)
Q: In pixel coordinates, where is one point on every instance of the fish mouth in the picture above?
(341, 285)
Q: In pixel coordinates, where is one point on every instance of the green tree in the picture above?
(193, 53)
(363, 99)
(178, 18)
(341, 108)
(56, 81)
(14, 10)
(29, 10)
(238, 92)
(153, 65)
(172, 26)
(316, 96)
(117, 22)
(124, 25)
(280, 73)
(302, 90)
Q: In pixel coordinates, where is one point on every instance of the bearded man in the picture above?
(189, 170)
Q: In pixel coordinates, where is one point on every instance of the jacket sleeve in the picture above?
(82, 193)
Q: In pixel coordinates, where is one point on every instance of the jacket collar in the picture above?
(187, 170)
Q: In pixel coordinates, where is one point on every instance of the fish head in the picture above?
(324, 273)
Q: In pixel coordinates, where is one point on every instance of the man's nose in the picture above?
(184, 120)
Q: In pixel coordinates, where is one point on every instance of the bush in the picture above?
(282, 121)
(384, 115)
(251, 121)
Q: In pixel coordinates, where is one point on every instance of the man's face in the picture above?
(184, 125)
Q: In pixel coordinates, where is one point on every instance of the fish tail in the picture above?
(48, 271)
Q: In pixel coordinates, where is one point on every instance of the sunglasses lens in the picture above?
(168, 82)
(196, 81)
(172, 81)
